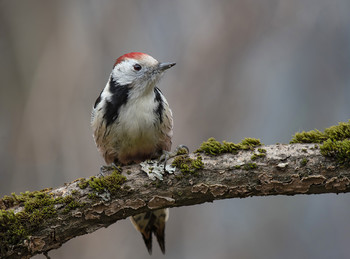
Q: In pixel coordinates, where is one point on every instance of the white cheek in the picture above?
(125, 79)
(124, 73)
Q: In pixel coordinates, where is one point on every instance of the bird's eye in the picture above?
(137, 67)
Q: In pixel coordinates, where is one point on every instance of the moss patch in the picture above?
(111, 183)
(256, 156)
(182, 151)
(37, 207)
(214, 147)
(83, 183)
(312, 136)
(42, 205)
(304, 161)
(250, 166)
(12, 228)
(262, 150)
(335, 141)
(92, 196)
(338, 149)
(337, 132)
(188, 165)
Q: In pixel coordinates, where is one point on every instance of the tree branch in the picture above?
(83, 206)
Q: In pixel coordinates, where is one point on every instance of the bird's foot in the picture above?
(179, 150)
(155, 169)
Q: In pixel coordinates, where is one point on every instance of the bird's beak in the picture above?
(164, 66)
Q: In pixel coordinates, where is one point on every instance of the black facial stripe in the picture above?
(158, 99)
(120, 94)
(114, 87)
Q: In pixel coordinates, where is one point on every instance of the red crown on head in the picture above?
(134, 55)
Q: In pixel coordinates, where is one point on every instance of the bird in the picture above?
(132, 122)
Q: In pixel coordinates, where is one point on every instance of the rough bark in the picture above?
(285, 170)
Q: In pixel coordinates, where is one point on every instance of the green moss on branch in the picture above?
(111, 183)
(334, 133)
(338, 149)
(214, 147)
(188, 165)
(37, 207)
(335, 141)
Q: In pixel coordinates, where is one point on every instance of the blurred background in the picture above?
(245, 68)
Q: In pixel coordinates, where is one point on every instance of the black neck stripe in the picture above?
(120, 94)
(158, 99)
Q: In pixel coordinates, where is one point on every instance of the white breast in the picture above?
(137, 116)
(136, 129)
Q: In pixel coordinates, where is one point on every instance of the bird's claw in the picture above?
(179, 150)
(182, 150)
(156, 168)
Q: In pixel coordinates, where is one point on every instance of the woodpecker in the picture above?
(132, 122)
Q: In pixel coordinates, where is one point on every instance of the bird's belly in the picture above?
(137, 143)
(136, 134)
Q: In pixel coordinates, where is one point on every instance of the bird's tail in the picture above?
(152, 222)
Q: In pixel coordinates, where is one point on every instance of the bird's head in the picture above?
(139, 71)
